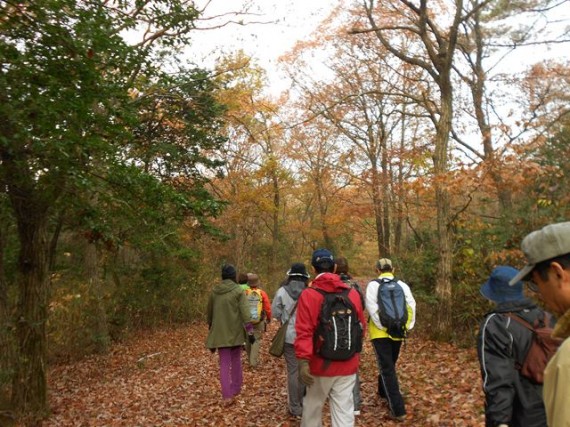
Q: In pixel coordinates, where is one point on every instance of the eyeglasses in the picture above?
(533, 287)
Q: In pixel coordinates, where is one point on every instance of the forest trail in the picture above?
(168, 378)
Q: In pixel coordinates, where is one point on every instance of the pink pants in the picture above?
(231, 376)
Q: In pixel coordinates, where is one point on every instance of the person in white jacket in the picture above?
(387, 347)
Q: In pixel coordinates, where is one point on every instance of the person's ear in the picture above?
(560, 274)
(334, 269)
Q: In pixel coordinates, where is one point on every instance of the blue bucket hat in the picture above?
(497, 288)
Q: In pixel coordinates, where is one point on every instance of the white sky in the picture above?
(287, 22)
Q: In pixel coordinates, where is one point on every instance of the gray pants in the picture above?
(295, 389)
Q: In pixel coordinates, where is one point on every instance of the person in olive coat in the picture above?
(229, 318)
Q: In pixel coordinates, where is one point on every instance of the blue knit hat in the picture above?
(497, 288)
(322, 258)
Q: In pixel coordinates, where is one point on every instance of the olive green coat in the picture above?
(227, 313)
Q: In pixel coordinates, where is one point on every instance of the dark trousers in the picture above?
(387, 352)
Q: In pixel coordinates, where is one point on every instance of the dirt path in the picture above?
(168, 378)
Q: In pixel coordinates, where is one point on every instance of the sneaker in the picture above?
(399, 418)
(357, 412)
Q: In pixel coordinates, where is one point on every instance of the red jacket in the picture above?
(308, 310)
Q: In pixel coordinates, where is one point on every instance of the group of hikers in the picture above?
(324, 324)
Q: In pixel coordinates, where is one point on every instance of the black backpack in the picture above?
(339, 331)
(393, 311)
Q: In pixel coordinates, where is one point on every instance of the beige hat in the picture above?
(383, 263)
(549, 242)
(252, 279)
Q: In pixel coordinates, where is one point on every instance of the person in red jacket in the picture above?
(325, 379)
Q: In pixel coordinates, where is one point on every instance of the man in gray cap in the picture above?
(548, 271)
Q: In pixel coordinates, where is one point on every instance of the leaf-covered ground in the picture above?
(168, 378)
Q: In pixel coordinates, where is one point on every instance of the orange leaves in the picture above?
(168, 378)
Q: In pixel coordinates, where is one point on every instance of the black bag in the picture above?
(393, 311)
(542, 347)
(339, 331)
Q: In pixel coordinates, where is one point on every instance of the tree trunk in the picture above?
(443, 283)
(328, 243)
(377, 204)
(385, 189)
(275, 228)
(29, 395)
(399, 202)
(93, 272)
(478, 94)
(7, 358)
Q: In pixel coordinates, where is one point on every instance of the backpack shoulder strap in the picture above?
(520, 320)
(294, 308)
(386, 280)
(320, 291)
(325, 293)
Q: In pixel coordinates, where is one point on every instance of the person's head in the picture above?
(242, 278)
(229, 272)
(341, 265)
(252, 280)
(547, 252)
(497, 288)
(384, 265)
(323, 261)
(298, 271)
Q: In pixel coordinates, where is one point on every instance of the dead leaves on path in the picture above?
(168, 378)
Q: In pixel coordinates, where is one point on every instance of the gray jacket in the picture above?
(285, 299)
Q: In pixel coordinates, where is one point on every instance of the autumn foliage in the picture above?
(168, 378)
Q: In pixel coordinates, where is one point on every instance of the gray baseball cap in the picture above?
(549, 242)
